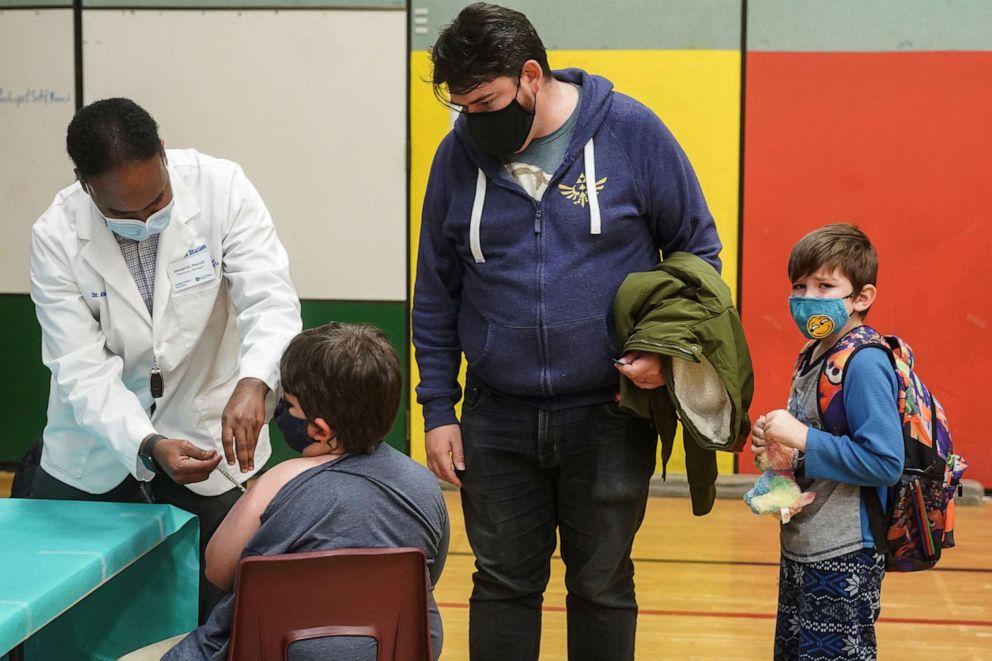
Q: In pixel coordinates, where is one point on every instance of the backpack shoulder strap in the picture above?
(876, 519)
(801, 358)
(830, 386)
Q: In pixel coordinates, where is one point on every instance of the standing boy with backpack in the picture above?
(831, 573)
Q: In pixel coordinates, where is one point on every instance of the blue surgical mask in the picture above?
(137, 230)
(818, 318)
(294, 430)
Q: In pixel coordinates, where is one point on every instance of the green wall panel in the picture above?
(34, 4)
(594, 25)
(244, 4)
(869, 25)
(26, 379)
(213, 4)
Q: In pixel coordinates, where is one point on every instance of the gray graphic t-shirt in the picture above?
(830, 526)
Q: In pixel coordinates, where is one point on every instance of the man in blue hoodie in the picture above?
(549, 191)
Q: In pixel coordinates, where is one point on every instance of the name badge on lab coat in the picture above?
(191, 270)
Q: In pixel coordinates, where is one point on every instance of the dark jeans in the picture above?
(584, 471)
(211, 510)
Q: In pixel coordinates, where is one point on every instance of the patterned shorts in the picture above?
(827, 609)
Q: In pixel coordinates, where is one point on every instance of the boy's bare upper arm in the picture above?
(274, 479)
(249, 509)
(242, 522)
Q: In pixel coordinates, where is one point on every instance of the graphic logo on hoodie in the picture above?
(578, 193)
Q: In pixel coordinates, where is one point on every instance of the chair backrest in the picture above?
(371, 593)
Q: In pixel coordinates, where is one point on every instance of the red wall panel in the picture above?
(901, 145)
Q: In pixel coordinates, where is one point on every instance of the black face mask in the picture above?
(501, 132)
(293, 429)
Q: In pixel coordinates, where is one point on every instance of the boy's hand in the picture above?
(778, 426)
(758, 445)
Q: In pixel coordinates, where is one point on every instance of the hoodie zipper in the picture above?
(542, 336)
(567, 161)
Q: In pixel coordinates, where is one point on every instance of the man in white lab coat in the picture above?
(165, 303)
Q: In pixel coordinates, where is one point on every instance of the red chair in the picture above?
(283, 600)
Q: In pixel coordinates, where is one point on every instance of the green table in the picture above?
(92, 580)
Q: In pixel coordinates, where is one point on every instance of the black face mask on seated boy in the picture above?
(293, 429)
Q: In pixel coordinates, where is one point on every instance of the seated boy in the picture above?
(348, 490)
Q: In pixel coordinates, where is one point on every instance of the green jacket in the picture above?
(682, 309)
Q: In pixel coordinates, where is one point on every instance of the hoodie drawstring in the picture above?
(590, 158)
(473, 232)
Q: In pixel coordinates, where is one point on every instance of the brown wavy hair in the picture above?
(349, 375)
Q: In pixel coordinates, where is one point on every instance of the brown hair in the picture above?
(349, 375)
(484, 42)
(840, 246)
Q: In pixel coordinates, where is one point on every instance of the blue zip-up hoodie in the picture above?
(525, 288)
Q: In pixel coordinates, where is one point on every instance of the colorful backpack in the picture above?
(919, 519)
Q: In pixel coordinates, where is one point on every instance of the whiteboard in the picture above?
(36, 105)
(312, 104)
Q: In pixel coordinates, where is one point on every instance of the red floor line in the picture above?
(756, 616)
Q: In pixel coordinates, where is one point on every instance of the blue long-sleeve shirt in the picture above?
(872, 454)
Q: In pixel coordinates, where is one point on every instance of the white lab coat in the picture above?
(100, 343)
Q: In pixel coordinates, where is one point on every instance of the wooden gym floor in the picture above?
(707, 589)
(708, 586)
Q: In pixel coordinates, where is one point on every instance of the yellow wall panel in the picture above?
(697, 95)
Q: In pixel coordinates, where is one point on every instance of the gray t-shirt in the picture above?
(378, 500)
(534, 167)
(830, 526)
